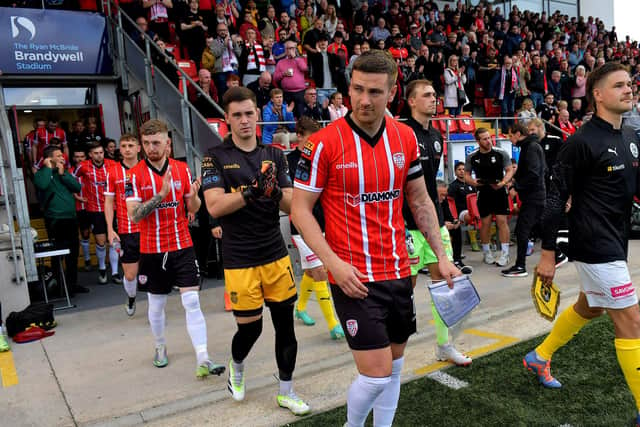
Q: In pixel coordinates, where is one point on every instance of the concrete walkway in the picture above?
(97, 368)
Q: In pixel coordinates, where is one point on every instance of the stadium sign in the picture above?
(35, 41)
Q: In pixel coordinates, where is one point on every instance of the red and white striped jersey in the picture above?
(117, 177)
(94, 181)
(166, 229)
(43, 137)
(80, 206)
(362, 180)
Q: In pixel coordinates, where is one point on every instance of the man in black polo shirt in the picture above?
(529, 183)
(459, 190)
(245, 186)
(598, 169)
(493, 170)
(421, 97)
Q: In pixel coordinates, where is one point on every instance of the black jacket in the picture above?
(336, 66)
(529, 176)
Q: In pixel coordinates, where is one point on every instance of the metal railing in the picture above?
(166, 100)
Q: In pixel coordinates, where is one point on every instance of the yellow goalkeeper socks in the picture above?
(628, 352)
(442, 332)
(568, 324)
(306, 288)
(324, 301)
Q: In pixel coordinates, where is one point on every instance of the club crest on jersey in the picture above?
(177, 185)
(437, 146)
(634, 149)
(352, 327)
(398, 160)
(493, 159)
(142, 279)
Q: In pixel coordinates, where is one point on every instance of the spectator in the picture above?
(576, 112)
(252, 61)
(198, 98)
(398, 51)
(336, 109)
(527, 112)
(138, 35)
(262, 88)
(506, 83)
(454, 80)
(565, 124)
(330, 21)
(578, 89)
(226, 50)
(164, 61)
(538, 83)
(554, 85)
(57, 186)
(278, 49)
(268, 25)
(321, 62)
(379, 32)
(277, 111)
(547, 110)
(307, 19)
(192, 29)
(338, 48)
(247, 24)
(159, 16)
(311, 107)
(290, 76)
(312, 36)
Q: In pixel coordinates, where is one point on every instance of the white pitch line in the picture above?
(448, 380)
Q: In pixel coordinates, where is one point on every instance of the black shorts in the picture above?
(98, 222)
(387, 315)
(157, 273)
(493, 202)
(84, 223)
(130, 248)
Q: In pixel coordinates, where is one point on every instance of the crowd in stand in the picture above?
(527, 63)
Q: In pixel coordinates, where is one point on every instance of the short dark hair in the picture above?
(378, 62)
(597, 75)
(92, 145)
(413, 86)
(49, 150)
(479, 131)
(238, 94)
(519, 127)
(306, 125)
(457, 165)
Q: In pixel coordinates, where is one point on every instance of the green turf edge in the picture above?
(502, 393)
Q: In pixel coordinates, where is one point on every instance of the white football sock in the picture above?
(384, 408)
(157, 316)
(114, 258)
(101, 253)
(361, 396)
(84, 244)
(130, 287)
(196, 325)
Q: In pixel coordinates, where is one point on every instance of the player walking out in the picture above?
(128, 233)
(156, 196)
(360, 168)
(245, 185)
(598, 169)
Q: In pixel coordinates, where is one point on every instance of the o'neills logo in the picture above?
(382, 196)
(350, 165)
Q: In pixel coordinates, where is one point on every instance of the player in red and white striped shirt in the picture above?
(78, 156)
(360, 168)
(43, 138)
(156, 197)
(94, 177)
(128, 232)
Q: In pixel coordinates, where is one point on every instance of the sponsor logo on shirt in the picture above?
(166, 205)
(308, 148)
(232, 166)
(615, 168)
(381, 196)
(350, 165)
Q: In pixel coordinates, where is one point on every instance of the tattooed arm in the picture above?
(424, 214)
(138, 210)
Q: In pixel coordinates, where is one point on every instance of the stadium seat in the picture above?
(467, 125)
(189, 67)
(440, 106)
(490, 109)
(474, 213)
(175, 51)
(219, 125)
(452, 207)
(479, 95)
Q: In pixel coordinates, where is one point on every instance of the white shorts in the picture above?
(308, 259)
(607, 285)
